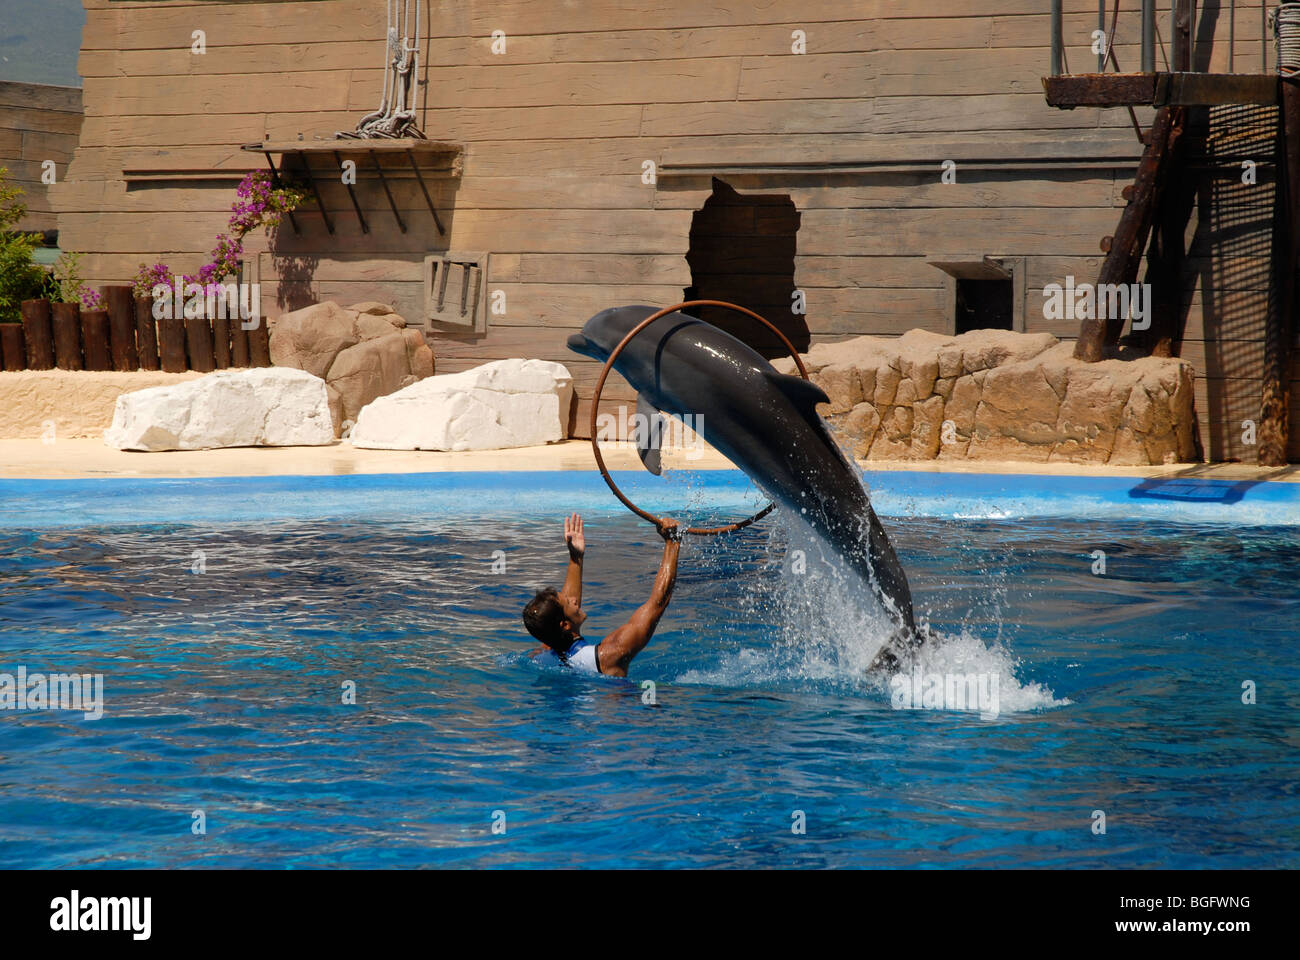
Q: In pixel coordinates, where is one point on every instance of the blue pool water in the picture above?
(1119, 693)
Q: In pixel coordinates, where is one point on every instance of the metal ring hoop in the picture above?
(600, 385)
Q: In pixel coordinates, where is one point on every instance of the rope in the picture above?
(1286, 29)
(395, 118)
(600, 385)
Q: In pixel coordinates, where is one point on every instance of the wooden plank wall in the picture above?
(38, 122)
(557, 129)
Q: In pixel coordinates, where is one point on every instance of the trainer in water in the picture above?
(766, 423)
(556, 617)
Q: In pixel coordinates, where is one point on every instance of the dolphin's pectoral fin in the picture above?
(804, 394)
(649, 432)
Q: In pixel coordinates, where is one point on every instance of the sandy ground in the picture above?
(91, 459)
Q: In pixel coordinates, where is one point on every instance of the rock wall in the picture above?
(998, 395)
(361, 352)
(79, 403)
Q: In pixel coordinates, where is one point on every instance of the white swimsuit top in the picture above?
(580, 656)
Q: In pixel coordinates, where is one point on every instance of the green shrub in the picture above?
(67, 285)
(21, 278)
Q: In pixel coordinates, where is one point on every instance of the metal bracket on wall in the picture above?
(389, 193)
(425, 190)
(329, 225)
(275, 180)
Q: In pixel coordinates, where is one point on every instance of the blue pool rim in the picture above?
(894, 492)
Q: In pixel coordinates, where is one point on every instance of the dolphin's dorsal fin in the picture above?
(649, 433)
(804, 394)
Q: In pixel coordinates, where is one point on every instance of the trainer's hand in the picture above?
(574, 536)
(669, 530)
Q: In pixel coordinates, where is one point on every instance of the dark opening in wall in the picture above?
(984, 305)
(984, 294)
(742, 251)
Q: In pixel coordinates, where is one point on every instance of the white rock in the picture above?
(506, 403)
(259, 407)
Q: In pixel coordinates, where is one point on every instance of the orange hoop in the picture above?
(600, 385)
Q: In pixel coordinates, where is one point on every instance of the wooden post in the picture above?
(259, 345)
(1148, 36)
(1274, 430)
(95, 340)
(1057, 46)
(120, 304)
(1184, 22)
(66, 321)
(39, 334)
(171, 344)
(1166, 258)
(1125, 254)
(238, 344)
(198, 340)
(12, 349)
(146, 333)
(221, 341)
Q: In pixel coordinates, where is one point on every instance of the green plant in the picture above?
(20, 277)
(68, 285)
(11, 208)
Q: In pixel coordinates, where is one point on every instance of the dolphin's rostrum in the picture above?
(763, 421)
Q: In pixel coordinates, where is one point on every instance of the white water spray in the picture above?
(828, 628)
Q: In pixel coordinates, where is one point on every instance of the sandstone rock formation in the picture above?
(258, 407)
(506, 403)
(998, 395)
(361, 352)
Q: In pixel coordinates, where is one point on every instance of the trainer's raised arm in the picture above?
(618, 649)
(576, 541)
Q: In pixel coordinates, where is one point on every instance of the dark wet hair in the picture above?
(542, 617)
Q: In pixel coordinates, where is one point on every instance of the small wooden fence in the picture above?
(125, 336)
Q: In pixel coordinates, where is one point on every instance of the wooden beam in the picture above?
(354, 145)
(1125, 254)
(1216, 89)
(1275, 393)
(1184, 18)
(1180, 89)
(1166, 260)
(1100, 90)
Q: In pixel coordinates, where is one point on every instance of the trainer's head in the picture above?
(554, 618)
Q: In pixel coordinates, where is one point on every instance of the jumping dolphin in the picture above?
(764, 422)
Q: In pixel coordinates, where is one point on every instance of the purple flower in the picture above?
(259, 205)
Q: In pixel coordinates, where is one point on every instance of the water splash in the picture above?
(827, 630)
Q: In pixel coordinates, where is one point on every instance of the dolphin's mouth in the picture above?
(579, 343)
